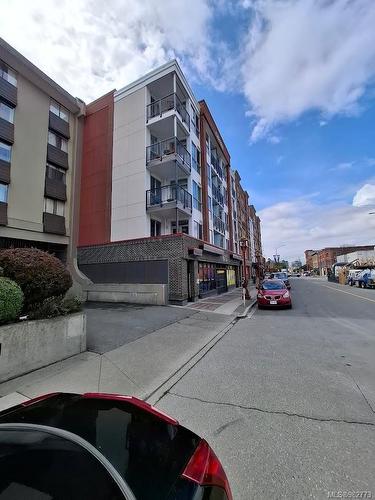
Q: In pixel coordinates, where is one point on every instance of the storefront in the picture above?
(215, 278)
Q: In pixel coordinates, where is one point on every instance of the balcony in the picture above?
(216, 164)
(57, 157)
(4, 172)
(53, 224)
(216, 194)
(162, 156)
(6, 131)
(8, 92)
(3, 213)
(58, 125)
(219, 225)
(55, 189)
(167, 199)
(168, 103)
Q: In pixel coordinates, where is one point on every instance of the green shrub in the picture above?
(39, 274)
(55, 306)
(11, 300)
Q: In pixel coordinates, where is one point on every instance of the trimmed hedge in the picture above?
(11, 300)
(39, 274)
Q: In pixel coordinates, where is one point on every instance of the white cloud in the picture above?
(303, 224)
(274, 139)
(323, 123)
(365, 196)
(307, 55)
(89, 47)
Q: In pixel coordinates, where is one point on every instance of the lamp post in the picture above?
(244, 243)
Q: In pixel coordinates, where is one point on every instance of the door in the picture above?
(221, 281)
(155, 192)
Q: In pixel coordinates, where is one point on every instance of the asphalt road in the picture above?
(287, 398)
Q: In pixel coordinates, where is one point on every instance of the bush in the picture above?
(11, 300)
(55, 306)
(39, 274)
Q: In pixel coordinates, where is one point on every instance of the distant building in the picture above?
(309, 259)
(328, 256)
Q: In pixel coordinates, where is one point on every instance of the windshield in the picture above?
(280, 276)
(273, 285)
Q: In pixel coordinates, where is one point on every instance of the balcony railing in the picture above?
(167, 103)
(219, 224)
(216, 164)
(195, 129)
(217, 195)
(166, 195)
(172, 146)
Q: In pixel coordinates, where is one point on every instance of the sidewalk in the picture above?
(230, 303)
(138, 367)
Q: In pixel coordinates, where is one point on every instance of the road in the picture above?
(287, 398)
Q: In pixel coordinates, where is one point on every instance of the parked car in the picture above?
(103, 446)
(281, 276)
(273, 293)
(365, 279)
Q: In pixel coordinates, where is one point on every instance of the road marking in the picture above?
(349, 293)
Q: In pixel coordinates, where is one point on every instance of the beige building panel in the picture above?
(28, 166)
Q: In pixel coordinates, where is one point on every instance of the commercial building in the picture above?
(40, 129)
(156, 191)
(322, 260)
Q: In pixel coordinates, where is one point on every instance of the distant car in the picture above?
(307, 273)
(365, 279)
(281, 276)
(274, 293)
(98, 446)
(353, 273)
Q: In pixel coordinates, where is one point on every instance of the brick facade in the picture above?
(174, 248)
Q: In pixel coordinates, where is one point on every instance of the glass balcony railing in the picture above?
(164, 195)
(216, 194)
(167, 103)
(219, 224)
(167, 147)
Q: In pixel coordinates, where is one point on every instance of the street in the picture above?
(287, 398)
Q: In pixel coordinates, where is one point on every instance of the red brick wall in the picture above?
(96, 180)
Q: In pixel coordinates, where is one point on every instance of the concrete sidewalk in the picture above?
(230, 303)
(138, 367)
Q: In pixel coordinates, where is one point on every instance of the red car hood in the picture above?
(273, 292)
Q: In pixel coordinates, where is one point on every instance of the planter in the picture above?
(29, 345)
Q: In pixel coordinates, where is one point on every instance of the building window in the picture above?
(197, 230)
(59, 110)
(195, 157)
(57, 141)
(155, 227)
(197, 196)
(54, 207)
(183, 226)
(227, 245)
(56, 173)
(5, 151)
(207, 277)
(8, 74)
(225, 196)
(3, 193)
(211, 233)
(6, 112)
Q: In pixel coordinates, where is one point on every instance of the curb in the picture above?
(246, 311)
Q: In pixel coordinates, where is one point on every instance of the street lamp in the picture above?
(244, 243)
(277, 256)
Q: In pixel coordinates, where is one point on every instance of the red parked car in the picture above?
(274, 293)
(103, 447)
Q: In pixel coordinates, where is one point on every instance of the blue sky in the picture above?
(291, 84)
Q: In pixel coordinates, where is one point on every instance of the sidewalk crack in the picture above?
(273, 412)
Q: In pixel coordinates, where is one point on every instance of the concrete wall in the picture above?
(156, 295)
(29, 345)
(129, 187)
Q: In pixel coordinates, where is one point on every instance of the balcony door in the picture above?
(155, 191)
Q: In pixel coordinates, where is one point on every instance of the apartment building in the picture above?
(327, 256)
(40, 127)
(156, 203)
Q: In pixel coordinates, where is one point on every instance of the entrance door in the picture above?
(221, 281)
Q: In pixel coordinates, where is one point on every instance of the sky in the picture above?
(290, 83)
